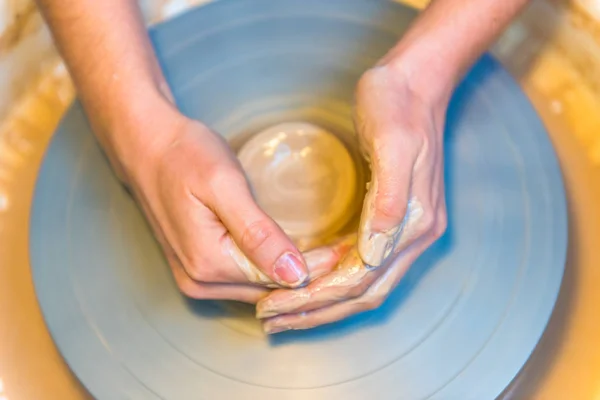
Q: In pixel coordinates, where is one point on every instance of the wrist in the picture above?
(423, 74)
(134, 132)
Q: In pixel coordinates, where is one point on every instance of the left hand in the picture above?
(401, 134)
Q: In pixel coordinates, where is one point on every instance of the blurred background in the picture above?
(553, 49)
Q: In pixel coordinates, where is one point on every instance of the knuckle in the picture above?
(196, 268)
(190, 289)
(366, 81)
(371, 302)
(375, 302)
(220, 176)
(440, 226)
(256, 234)
(387, 205)
(216, 172)
(184, 282)
(428, 222)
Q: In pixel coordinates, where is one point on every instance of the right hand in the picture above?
(217, 240)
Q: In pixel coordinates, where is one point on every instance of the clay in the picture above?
(494, 277)
(303, 177)
(378, 246)
(318, 260)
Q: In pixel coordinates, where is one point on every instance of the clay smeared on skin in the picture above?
(319, 257)
(376, 247)
(253, 274)
(304, 178)
(318, 260)
(410, 223)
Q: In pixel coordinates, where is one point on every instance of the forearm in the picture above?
(112, 62)
(446, 39)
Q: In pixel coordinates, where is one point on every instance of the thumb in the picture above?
(385, 208)
(255, 235)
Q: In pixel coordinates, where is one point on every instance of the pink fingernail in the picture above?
(275, 329)
(264, 313)
(289, 269)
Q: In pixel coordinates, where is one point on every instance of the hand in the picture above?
(218, 242)
(404, 211)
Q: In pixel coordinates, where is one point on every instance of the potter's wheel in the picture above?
(460, 326)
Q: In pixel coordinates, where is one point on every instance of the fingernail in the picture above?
(289, 270)
(266, 311)
(265, 314)
(375, 247)
(270, 330)
(319, 256)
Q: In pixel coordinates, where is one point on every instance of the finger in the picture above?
(370, 300)
(384, 213)
(214, 291)
(198, 290)
(324, 259)
(197, 238)
(217, 259)
(413, 226)
(209, 254)
(207, 259)
(319, 261)
(312, 319)
(350, 280)
(426, 207)
(256, 234)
